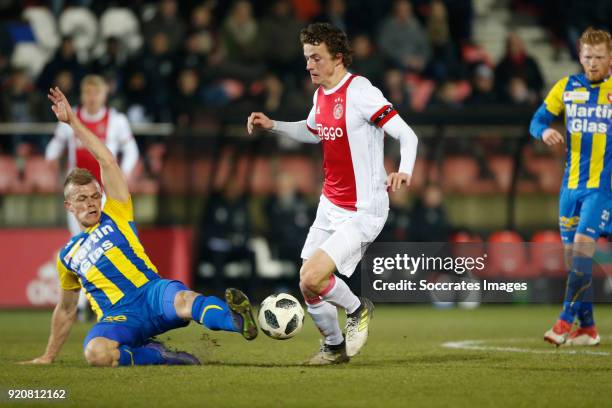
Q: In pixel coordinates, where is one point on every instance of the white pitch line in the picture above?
(480, 345)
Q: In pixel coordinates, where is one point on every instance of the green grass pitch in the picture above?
(404, 364)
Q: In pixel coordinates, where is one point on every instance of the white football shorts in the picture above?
(342, 234)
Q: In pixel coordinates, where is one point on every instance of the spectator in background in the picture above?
(519, 94)
(140, 107)
(517, 63)
(21, 104)
(444, 55)
(225, 231)
(241, 36)
(366, 61)
(273, 93)
(483, 87)
(335, 14)
(398, 222)
(65, 82)
(403, 40)
(65, 58)
(112, 61)
(279, 29)
(448, 94)
(159, 66)
(289, 217)
(395, 89)
(461, 23)
(201, 41)
(168, 21)
(429, 222)
(187, 99)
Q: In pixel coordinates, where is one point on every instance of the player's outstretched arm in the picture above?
(296, 130)
(64, 316)
(113, 178)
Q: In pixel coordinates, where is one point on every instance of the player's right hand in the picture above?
(60, 106)
(258, 120)
(552, 137)
(39, 360)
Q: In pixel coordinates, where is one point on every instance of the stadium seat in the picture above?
(30, 56)
(460, 174)
(507, 257)
(546, 253)
(548, 171)
(421, 94)
(420, 174)
(303, 170)
(201, 170)
(82, 25)
(9, 175)
(44, 26)
(602, 268)
(175, 178)
(265, 265)
(140, 183)
(40, 175)
(502, 168)
(121, 23)
(261, 177)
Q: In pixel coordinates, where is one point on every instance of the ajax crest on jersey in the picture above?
(338, 109)
(281, 316)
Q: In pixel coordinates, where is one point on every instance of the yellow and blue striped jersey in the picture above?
(588, 119)
(107, 260)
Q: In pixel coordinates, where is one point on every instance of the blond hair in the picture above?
(79, 177)
(591, 36)
(93, 79)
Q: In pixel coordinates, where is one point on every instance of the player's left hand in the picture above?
(395, 181)
(60, 106)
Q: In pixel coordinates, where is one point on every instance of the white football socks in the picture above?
(340, 295)
(325, 317)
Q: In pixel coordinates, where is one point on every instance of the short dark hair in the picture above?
(78, 176)
(335, 39)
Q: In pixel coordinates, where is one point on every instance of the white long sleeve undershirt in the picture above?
(399, 130)
(295, 130)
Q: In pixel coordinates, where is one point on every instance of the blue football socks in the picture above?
(213, 313)
(579, 292)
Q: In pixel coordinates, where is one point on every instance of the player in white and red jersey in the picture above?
(107, 124)
(350, 118)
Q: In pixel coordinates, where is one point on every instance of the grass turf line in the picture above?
(403, 364)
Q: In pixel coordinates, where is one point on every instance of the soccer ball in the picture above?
(281, 316)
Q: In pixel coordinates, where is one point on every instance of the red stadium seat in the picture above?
(548, 171)
(40, 175)
(603, 268)
(459, 173)
(420, 174)
(303, 170)
(502, 168)
(9, 175)
(140, 183)
(174, 178)
(507, 256)
(261, 177)
(546, 252)
(201, 173)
